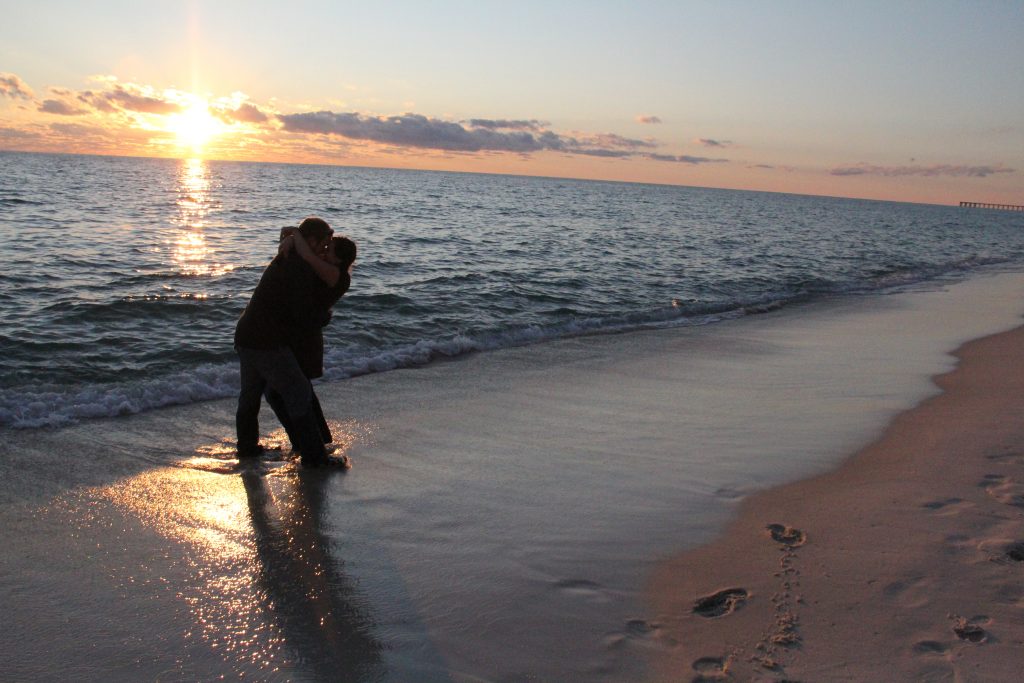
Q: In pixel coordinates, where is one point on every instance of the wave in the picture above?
(18, 201)
(53, 406)
(902, 277)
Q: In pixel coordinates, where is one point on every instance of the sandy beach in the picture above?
(904, 564)
(509, 516)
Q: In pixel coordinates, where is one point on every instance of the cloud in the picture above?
(483, 135)
(646, 118)
(614, 141)
(773, 167)
(929, 171)
(71, 136)
(17, 134)
(686, 159)
(76, 129)
(416, 130)
(96, 101)
(708, 142)
(131, 98)
(14, 87)
(598, 152)
(140, 102)
(60, 107)
(507, 124)
(244, 113)
(127, 97)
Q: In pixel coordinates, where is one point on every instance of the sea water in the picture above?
(123, 277)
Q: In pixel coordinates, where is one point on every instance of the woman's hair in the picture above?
(344, 250)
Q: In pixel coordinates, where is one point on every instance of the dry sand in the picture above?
(905, 564)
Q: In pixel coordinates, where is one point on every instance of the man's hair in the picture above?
(344, 251)
(313, 226)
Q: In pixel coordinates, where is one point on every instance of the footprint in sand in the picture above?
(640, 627)
(582, 589)
(970, 630)
(637, 631)
(1003, 489)
(721, 603)
(947, 507)
(787, 535)
(929, 647)
(1015, 551)
(943, 504)
(1002, 550)
(710, 669)
(1008, 458)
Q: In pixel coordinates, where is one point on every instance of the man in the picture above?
(282, 312)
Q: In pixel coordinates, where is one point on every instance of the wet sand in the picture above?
(906, 563)
(502, 518)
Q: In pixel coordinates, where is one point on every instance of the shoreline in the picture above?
(904, 563)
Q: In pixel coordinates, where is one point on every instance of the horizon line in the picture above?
(482, 173)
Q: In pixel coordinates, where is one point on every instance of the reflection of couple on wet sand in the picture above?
(279, 338)
(327, 629)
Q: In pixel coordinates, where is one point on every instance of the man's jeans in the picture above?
(276, 370)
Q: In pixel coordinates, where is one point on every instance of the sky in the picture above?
(909, 101)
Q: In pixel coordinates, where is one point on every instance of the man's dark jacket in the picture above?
(284, 309)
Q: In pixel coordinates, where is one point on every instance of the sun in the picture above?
(195, 126)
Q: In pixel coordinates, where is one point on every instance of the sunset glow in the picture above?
(685, 101)
(195, 126)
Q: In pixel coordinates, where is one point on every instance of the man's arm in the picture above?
(324, 270)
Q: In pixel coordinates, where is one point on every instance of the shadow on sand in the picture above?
(325, 626)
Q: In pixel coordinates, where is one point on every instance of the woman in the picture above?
(333, 267)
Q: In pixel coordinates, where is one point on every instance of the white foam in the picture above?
(26, 407)
(29, 407)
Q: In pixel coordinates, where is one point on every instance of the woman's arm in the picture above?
(284, 247)
(324, 270)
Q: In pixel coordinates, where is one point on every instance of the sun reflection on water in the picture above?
(260, 582)
(192, 255)
(191, 506)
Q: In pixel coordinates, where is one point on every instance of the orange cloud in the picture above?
(61, 108)
(135, 98)
(982, 171)
(245, 113)
(709, 142)
(13, 87)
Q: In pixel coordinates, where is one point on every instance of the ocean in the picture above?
(124, 277)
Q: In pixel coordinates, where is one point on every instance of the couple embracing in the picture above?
(279, 338)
